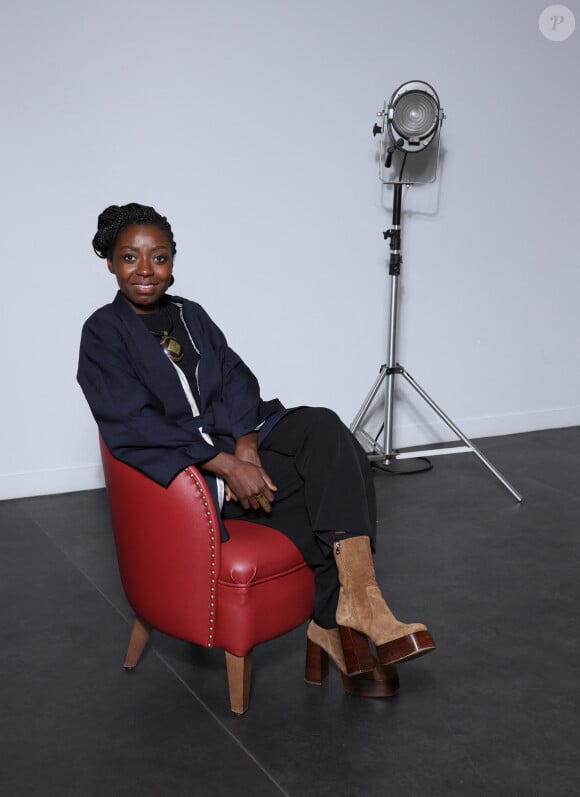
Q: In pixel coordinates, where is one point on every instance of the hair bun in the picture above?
(114, 218)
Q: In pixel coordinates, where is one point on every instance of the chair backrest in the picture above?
(168, 543)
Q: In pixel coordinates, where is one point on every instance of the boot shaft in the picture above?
(354, 561)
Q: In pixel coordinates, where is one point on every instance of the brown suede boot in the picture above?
(324, 642)
(362, 612)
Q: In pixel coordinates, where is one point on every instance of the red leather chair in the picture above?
(182, 580)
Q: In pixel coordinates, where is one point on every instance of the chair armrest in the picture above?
(168, 547)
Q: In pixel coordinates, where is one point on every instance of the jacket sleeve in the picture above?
(243, 408)
(241, 394)
(130, 417)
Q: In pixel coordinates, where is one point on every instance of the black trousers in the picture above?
(325, 485)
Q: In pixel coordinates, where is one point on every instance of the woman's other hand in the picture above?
(246, 481)
(247, 449)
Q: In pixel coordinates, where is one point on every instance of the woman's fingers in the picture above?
(270, 483)
(259, 501)
(264, 503)
(229, 493)
(251, 486)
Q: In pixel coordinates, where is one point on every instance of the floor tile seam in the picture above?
(216, 719)
(165, 663)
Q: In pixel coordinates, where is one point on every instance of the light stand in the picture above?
(416, 117)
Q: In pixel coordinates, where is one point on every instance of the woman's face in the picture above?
(142, 261)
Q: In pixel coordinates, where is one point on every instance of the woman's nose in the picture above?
(144, 267)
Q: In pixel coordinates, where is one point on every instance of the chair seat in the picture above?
(256, 553)
(264, 587)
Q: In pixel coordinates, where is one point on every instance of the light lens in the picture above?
(415, 115)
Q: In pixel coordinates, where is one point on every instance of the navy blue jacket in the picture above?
(137, 400)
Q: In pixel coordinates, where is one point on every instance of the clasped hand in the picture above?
(245, 479)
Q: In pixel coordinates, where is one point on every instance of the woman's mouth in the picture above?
(144, 287)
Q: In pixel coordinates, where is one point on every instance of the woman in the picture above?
(167, 392)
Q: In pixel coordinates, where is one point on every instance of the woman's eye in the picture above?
(161, 259)
(128, 258)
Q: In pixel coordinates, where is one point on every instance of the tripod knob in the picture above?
(377, 129)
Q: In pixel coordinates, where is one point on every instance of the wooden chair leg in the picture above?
(239, 679)
(139, 638)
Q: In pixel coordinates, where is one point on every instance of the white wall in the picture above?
(249, 125)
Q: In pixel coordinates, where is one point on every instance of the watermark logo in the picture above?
(557, 23)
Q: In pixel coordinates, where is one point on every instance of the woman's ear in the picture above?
(110, 265)
(171, 281)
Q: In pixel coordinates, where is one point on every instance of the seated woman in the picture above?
(167, 392)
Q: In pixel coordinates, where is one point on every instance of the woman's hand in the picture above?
(247, 449)
(246, 482)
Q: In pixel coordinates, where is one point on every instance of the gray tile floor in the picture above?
(493, 711)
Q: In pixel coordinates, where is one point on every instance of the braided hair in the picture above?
(114, 218)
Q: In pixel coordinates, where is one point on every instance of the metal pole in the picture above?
(390, 373)
(394, 234)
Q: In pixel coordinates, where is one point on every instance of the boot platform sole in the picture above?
(405, 648)
(359, 658)
(363, 685)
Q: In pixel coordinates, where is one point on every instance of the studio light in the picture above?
(414, 115)
(411, 121)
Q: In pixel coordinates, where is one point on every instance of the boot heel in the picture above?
(406, 647)
(357, 653)
(316, 663)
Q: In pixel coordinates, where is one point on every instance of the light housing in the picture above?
(413, 116)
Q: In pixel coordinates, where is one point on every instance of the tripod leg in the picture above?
(446, 419)
(354, 427)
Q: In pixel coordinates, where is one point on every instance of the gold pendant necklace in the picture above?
(171, 347)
